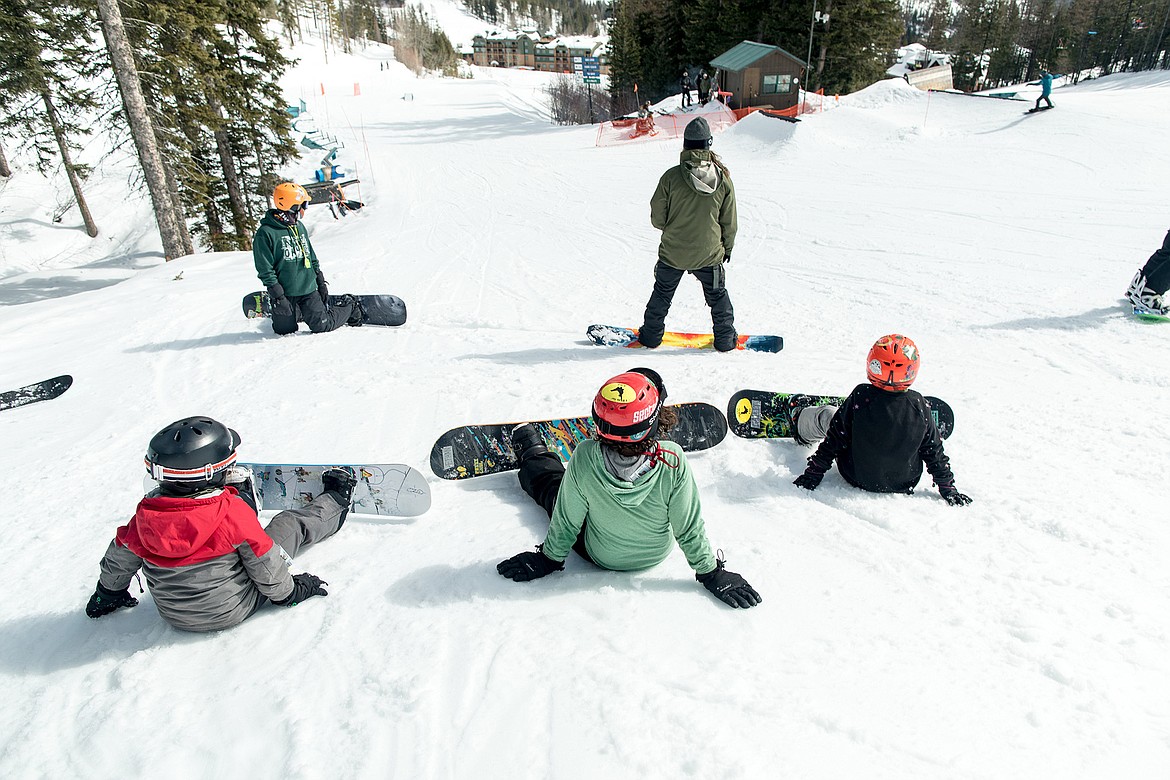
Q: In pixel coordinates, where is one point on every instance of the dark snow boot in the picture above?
(357, 316)
(340, 481)
(527, 442)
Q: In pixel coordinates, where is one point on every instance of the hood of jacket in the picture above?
(703, 174)
(628, 494)
(171, 529)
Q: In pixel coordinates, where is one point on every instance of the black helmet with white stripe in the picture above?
(192, 454)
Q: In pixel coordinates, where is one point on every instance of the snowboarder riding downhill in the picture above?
(1045, 84)
(694, 207)
(625, 497)
(288, 267)
(197, 538)
(882, 434)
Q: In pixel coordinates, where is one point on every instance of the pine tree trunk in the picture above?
(142, 129)
(188, 246)
(67, 160)
(231, 179)
(5, 171)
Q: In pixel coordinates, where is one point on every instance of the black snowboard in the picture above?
(477, 450)
(759, 414)
(41, 391)
(376, 309)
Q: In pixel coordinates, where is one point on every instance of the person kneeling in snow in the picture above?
(882, 434)
(197, 538)
(288, 268)
(1148, 289)
(625, 495)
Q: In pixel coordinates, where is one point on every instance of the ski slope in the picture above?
(1021, 637)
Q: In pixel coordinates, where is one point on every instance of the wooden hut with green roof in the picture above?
(757, 74)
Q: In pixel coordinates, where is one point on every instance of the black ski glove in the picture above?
(729, 587)
(280, 304)
(323, 288)
(529, 566)
(305, 586)
(727, 255)
(953, 496)
(808, 480)
(103, 601)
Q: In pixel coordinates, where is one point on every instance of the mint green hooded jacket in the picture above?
(632, 525)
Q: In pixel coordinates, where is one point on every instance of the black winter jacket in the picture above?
(880, 439)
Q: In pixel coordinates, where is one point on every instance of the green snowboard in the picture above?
(760, 414)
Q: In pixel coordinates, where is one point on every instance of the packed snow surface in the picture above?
(1024, 636)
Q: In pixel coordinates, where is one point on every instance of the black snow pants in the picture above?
(313, 312)
(540, 476)
(1157, 269)
(666, 279)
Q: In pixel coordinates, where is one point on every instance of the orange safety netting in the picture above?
(662, 126)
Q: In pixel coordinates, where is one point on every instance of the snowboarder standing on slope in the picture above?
(704, 88)
(288, 267)
(694, 207)
(197, 538)
(1045, 84)
(1147, 290)
(882, 434)
(625, 497)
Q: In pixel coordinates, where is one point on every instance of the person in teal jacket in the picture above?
(288, 268)
(1045, 84)
(626, 497)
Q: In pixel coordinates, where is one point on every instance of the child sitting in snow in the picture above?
(625, 497)
(1148, 289)
(197, 538)
(882, 434)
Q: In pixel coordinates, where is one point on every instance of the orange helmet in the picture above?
(288, 196)
(626, 407)
(893, 363)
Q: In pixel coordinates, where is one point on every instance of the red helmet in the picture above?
(893, 363)
(626, 407)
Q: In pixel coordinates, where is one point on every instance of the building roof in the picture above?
(744, 54)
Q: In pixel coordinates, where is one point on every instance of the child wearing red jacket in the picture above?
(197, 538)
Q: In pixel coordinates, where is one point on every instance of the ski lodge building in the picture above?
(525, 49)
(757, 74)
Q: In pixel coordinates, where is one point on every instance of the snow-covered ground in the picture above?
(1024, 636)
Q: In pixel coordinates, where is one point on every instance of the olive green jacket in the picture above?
(283, 254)
(698, 228)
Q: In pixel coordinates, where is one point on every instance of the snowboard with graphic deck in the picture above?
(394, 490)
(478, 450)
(615, 336)
(30, 394)
(376, 309)
(759, 414)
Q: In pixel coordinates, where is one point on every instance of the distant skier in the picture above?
(1147, 290)
(625, 498)
(197, 538)
(1045, 84)
(704, 88)
(288, 267)
(694, 207)
(882, 434)
(685, 84)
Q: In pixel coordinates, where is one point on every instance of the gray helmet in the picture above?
(195, 453)
(697, 134)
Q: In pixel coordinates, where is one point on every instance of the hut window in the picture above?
(777, 84)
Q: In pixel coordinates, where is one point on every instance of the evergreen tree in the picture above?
(46, 58)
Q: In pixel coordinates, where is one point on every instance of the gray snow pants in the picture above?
(298, 529)
(812, 423)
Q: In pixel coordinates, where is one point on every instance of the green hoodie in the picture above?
(698, 227)
(283, 254)
(631, 524)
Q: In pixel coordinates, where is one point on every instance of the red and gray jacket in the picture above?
(207, 560)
